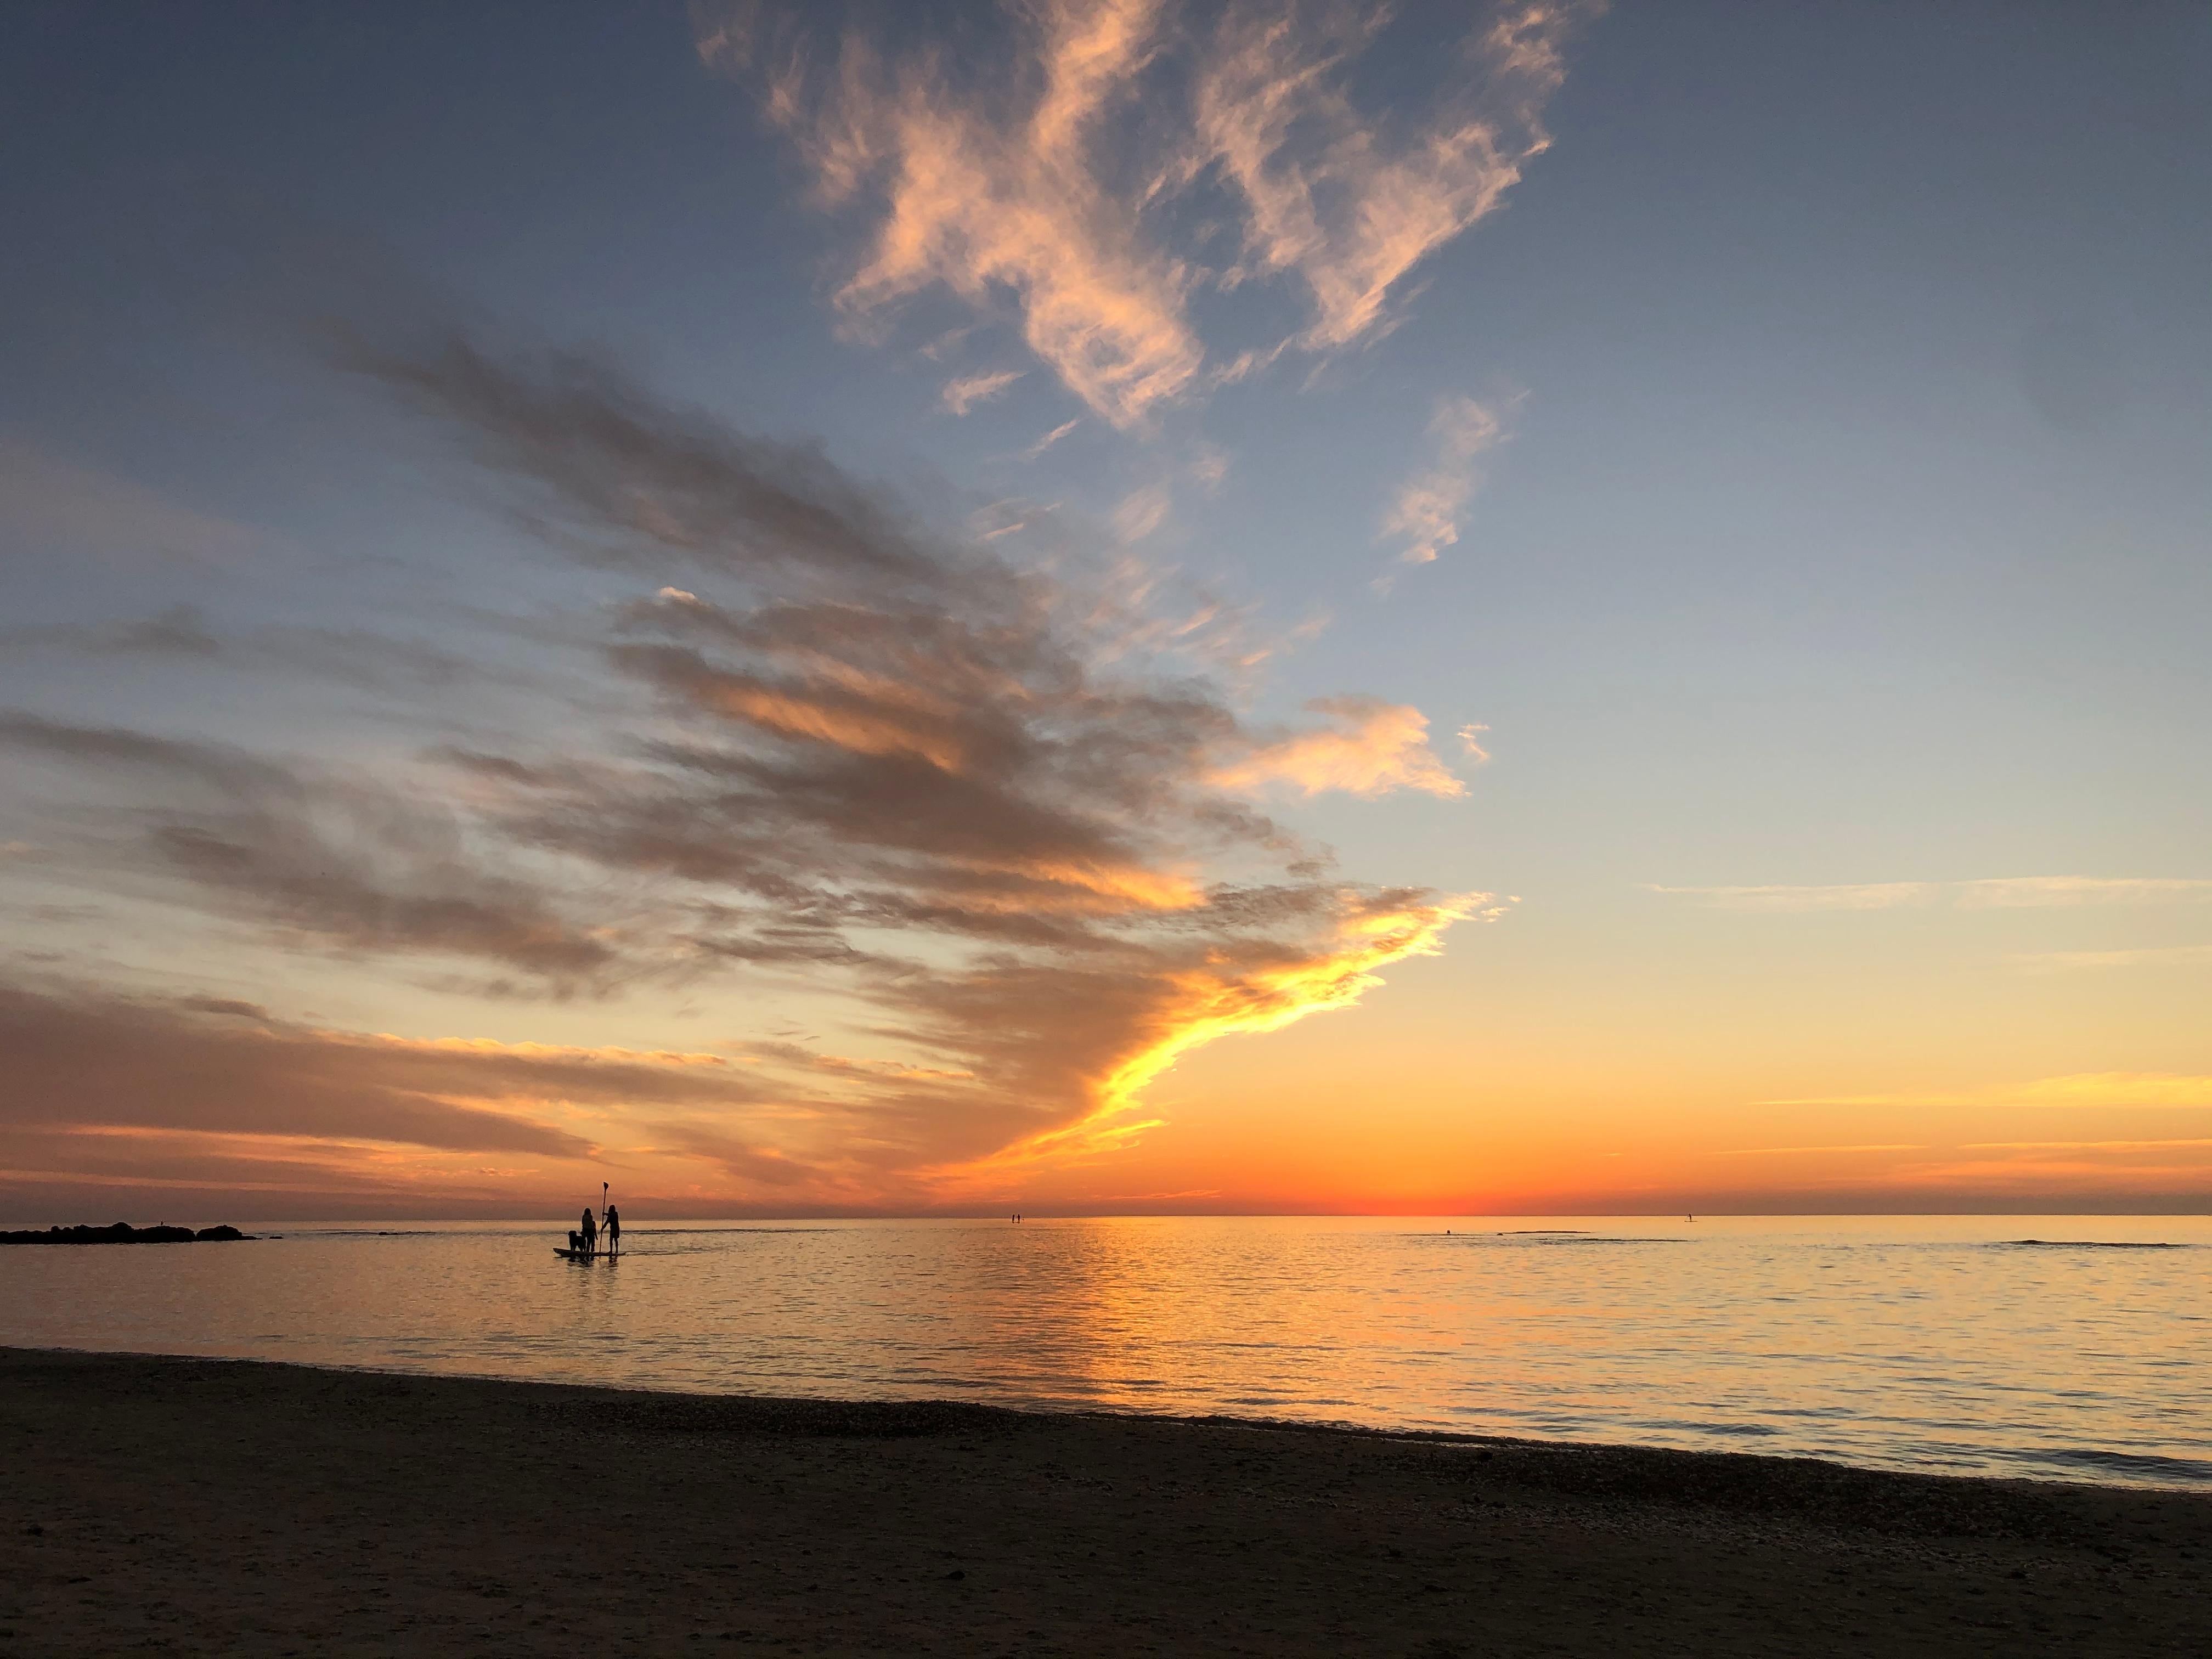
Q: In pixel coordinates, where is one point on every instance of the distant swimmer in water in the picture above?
(591, 1231)
(613, 1230)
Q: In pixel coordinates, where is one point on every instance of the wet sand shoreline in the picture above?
(200, 1506)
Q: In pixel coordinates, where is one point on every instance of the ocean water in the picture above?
(1942, 1343)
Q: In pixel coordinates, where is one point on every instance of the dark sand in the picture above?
(209, 1507)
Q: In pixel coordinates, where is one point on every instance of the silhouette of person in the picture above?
(613, 1230)
(591, 1231)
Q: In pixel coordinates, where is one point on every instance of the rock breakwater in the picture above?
(122, 1232)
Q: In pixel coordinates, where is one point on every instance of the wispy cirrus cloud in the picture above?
(51, 507)
(1051, 438)
(987, 199)
(2155, 956)
(183, 634)
(2077, 1089)
(2079, 1145)
(1004, 815)
(1332, 195)
(1141, 512)
(1990, 893)
(1092, 168)
(963, 393)
(1809, 1151)
(1426, 512)
(2019, 892)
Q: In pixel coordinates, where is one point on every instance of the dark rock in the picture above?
(121, 1232)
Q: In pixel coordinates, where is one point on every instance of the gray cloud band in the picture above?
(1007, 812)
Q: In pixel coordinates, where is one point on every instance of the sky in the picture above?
(1100, 606)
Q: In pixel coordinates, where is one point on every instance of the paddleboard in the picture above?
(575, 1256)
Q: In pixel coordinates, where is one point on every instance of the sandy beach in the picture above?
(197, 1506)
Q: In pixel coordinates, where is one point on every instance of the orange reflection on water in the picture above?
(1937, 1342)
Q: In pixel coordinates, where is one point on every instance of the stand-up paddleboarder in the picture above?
(614, 1231)
(591, 1231)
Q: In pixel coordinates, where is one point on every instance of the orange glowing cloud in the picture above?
(794, 714)
(1376, 748)
(977, 203)
(1030, 177)
(1229, 995)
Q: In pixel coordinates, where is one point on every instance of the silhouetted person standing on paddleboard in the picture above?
(591, 1231)
(613, 1230)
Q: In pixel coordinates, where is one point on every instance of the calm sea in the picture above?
(1932, 1343)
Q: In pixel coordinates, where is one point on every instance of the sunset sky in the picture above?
(1095, 606)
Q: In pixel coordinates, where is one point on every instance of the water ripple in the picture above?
(1981, 1344)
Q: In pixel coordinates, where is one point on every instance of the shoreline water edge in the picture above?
(203, 1505)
